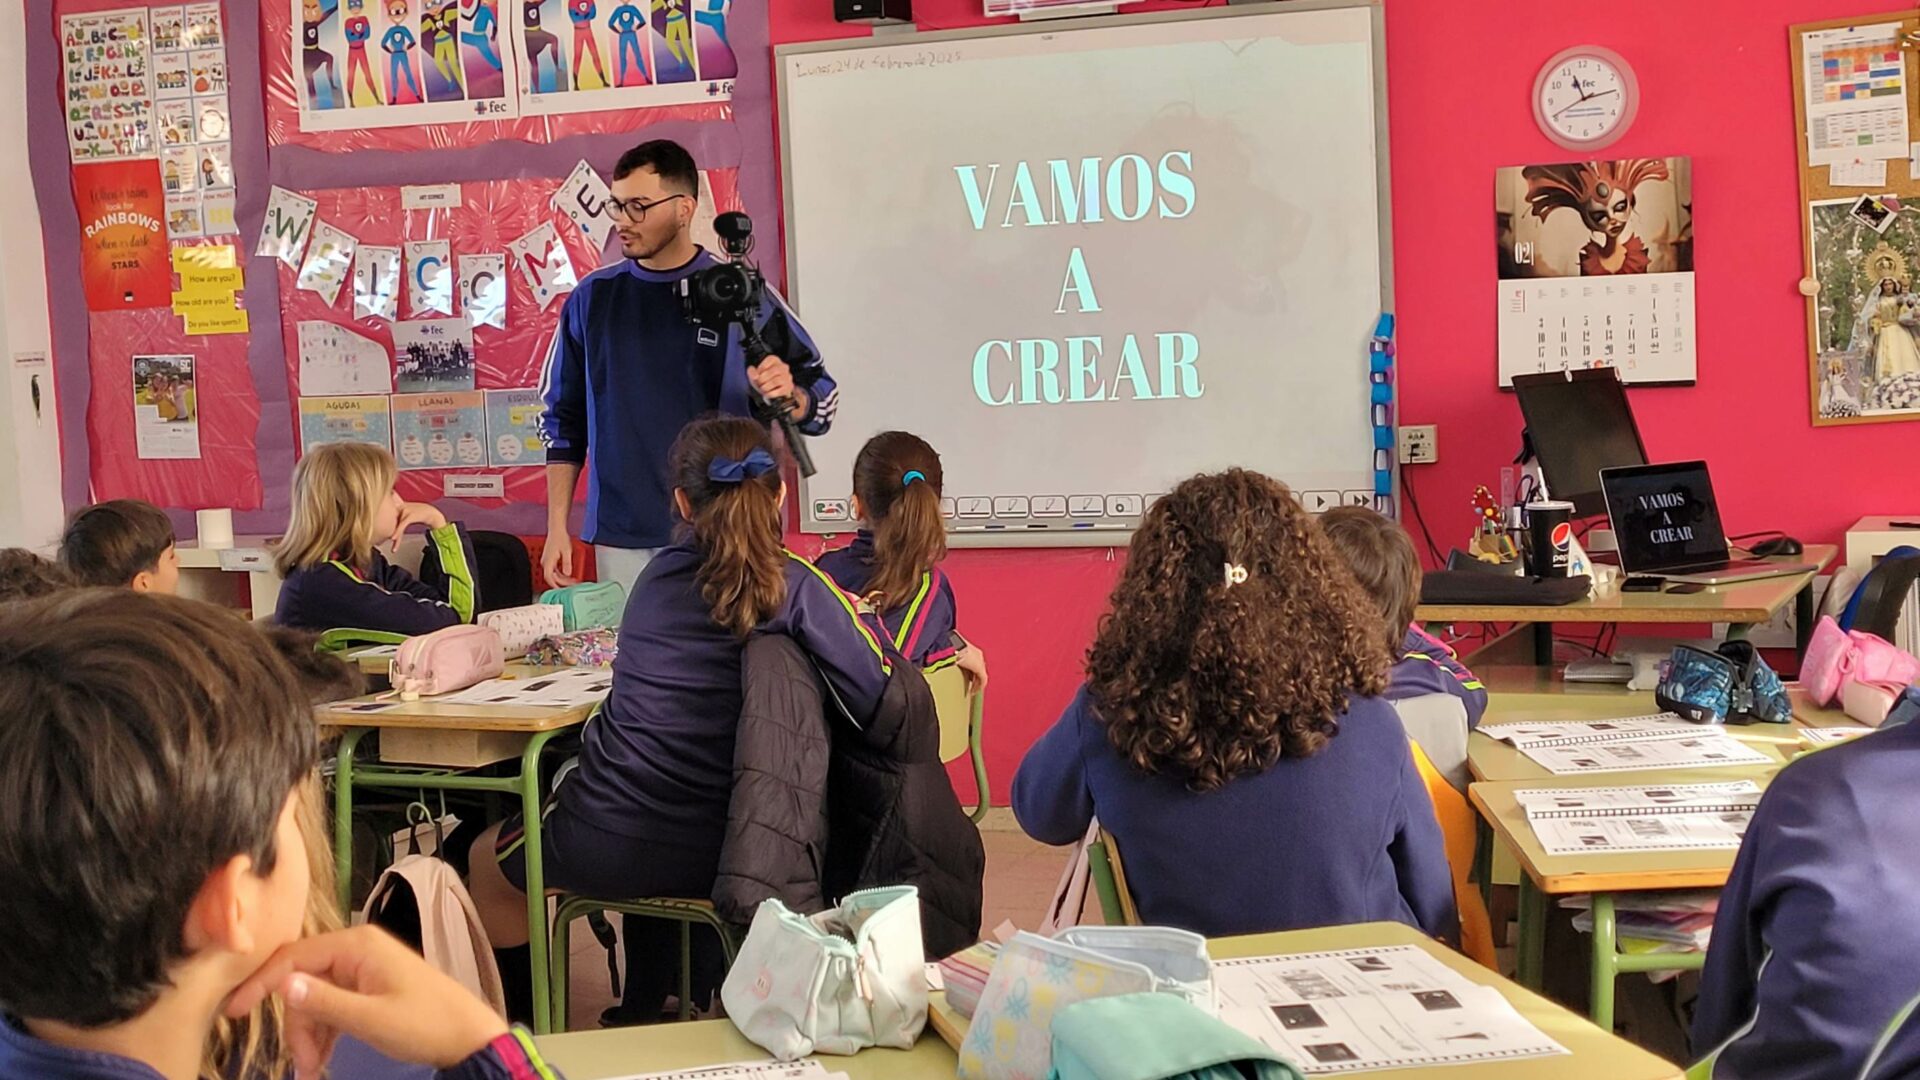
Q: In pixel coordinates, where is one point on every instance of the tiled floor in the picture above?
(1021, 877)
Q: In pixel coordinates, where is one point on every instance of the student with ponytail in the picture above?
(646, 812)
(894, 560)
(1231, 735)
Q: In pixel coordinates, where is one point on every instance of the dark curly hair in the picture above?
(1206, 681)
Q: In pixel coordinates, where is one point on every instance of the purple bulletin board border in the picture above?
(745, 143)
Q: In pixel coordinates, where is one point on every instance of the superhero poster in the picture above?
(123, 238)
(390, 63)
(586, 55)
(1595, 260)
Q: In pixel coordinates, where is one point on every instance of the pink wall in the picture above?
(1714, 82)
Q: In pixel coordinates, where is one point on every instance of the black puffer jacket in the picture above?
(822, 808)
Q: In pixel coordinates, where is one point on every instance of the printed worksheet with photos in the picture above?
(1672, 817)
(1624, 729)
(1708, 750)
(1361, 1009)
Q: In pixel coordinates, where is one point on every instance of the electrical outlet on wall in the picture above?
(1419, 444)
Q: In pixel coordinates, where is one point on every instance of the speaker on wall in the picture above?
(873, 11)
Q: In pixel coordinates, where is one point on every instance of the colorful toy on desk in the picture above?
(1490, 541)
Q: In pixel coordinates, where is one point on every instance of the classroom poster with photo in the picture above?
(107, 80)
(513, 427)
(432, 355)
(1867, 313)
(587, 55)
(1595, 263)
(392, 63)
(166, 413)
(123, 242)
(326, 420)
(439, 431)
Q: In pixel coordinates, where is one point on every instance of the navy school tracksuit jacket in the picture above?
(922, 628)
(381, 596)
(628, 371)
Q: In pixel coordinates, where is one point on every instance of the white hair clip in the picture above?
(1236, 575)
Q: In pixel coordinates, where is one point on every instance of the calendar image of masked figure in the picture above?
(1596, 268)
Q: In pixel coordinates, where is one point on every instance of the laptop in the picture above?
(1667, 524)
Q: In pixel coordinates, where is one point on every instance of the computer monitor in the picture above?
(1579, 423)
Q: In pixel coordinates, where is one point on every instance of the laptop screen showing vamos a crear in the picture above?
(1664, 517)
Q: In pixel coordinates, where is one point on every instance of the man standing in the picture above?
(628, 371)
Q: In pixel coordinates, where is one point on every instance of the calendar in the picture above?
(1596, 269)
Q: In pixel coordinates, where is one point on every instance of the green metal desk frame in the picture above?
(1609, 963)
(526, 784)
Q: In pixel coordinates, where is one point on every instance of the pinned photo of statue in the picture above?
(1866, 313)
(1592, 219)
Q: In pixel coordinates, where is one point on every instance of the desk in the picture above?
(1544, 877)
(597, 1055)
(434, 740)
(1739, 605)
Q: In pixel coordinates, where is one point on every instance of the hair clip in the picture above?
(911, 476)
(1236, 575)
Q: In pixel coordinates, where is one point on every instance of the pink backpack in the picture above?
(447, 660)
(1837, 658)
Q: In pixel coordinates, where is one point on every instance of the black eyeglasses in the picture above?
(634, 210)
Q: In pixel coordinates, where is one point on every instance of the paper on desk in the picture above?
(745, 1070)
(1856, 94)
(1652, 817)
(1867, 174)
(564, 689)
(1625, 729)
(1363, 1009)
(1823, 735)
(1712, 750)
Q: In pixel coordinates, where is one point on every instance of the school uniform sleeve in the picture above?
(851, 649)
(1051, 799)
(789, 340)
(937, 649)
(1427, 666)
(1419, 854)
(1791, 987)
(510, 1057)
(563, 385)
(387, 597)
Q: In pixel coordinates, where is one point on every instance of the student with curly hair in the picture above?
(1231, 735)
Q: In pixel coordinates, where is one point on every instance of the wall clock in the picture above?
(1585, 97)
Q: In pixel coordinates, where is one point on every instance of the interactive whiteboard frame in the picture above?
(1106, 531)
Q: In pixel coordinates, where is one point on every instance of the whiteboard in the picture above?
(1087, 260)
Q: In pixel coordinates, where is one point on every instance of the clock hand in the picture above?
(1584, 100)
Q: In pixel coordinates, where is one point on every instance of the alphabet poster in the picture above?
(123, 246)
(107, 66)
(391, 63)
(585, 55)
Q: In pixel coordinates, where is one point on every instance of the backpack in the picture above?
(502, 572)
(420, 900)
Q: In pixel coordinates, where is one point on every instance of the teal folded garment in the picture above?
(1156, 1037)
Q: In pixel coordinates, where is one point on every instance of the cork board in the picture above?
(1863, 322)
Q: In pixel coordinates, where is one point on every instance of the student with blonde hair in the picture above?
(344, 508)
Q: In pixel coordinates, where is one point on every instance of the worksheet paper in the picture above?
(1712, 750)
(562, 690)
(337, 362)
(1626, 728)
(1828, 735)
(1362, 1009)
(1856, 94)
(1674, 817)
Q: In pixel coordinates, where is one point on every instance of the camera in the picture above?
(729, 294)
(731, 291)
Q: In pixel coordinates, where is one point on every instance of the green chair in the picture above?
(688, 913)
(1110, 882)
(962, 720)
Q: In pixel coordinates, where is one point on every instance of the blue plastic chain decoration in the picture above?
(1380, 358)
